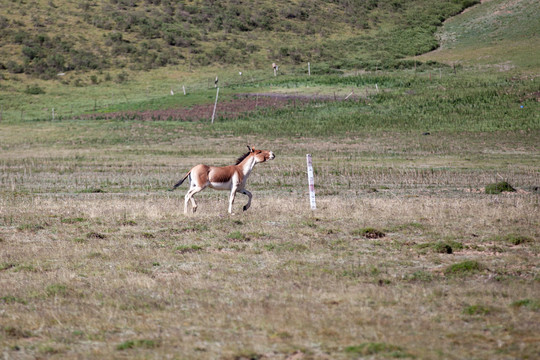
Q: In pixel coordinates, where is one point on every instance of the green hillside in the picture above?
(109, 63)
(42, 38)
(500, 34)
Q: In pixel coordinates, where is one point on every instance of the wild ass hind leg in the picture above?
(245, 192)
(189, 196)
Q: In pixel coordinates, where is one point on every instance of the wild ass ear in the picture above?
(250, 149)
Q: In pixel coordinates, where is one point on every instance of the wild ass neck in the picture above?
(247, 165)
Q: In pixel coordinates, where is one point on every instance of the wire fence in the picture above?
(117, 100)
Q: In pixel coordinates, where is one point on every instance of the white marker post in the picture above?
(311, 183)
(215, 105)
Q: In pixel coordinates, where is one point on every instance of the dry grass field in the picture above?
(405, 257)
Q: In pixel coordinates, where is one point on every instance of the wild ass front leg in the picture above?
(231, 198)
(245, 192)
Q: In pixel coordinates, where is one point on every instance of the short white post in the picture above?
(53, 114)
(184, 88)
(311, 182)
(309, 68)
(215, 105)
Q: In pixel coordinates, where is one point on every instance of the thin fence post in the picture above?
(311, 182)
(53, 114)
(184, 89)
(309, 68)
(215, 105)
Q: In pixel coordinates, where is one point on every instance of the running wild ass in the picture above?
(232, 177)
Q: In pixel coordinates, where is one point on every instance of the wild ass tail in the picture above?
(180, 182)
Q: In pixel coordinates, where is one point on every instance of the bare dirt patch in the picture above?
(232, 109)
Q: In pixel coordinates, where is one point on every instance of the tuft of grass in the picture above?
(374, 348)
(9, 299)
(442, 247)
(95, 235)
(183, 249)
(497, 188)
(516, 239)
(91, 191)
(477, 310)
(15, 332)
(532, 304)
(30, 227)
(56, 290)
(138, 344)
(369, 233)
(195, 228)
(287, 246)
(420, 276)
(464, 268)
(237, 236)
(72, 220)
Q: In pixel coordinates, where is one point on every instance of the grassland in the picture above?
(406, 256)
(98, 259)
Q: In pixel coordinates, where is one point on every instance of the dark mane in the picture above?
(241, 158)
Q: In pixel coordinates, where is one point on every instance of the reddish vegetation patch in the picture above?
(228, 109)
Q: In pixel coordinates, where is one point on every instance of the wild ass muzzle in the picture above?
(232, 177)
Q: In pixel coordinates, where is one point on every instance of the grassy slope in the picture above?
(148, 34)
(498, 34)
(73, 35)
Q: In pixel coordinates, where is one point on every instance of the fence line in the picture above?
(58, 114)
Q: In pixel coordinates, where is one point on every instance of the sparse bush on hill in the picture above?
(34, 90)
(223, 32)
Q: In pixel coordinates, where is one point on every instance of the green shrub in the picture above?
(14, 67)
(515, 239)
(122, 77)
(499, 187)
(446, 247)
(34, 90)
(464, 268)
(442, 248)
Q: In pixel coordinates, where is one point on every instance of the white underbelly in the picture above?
(221, 185)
